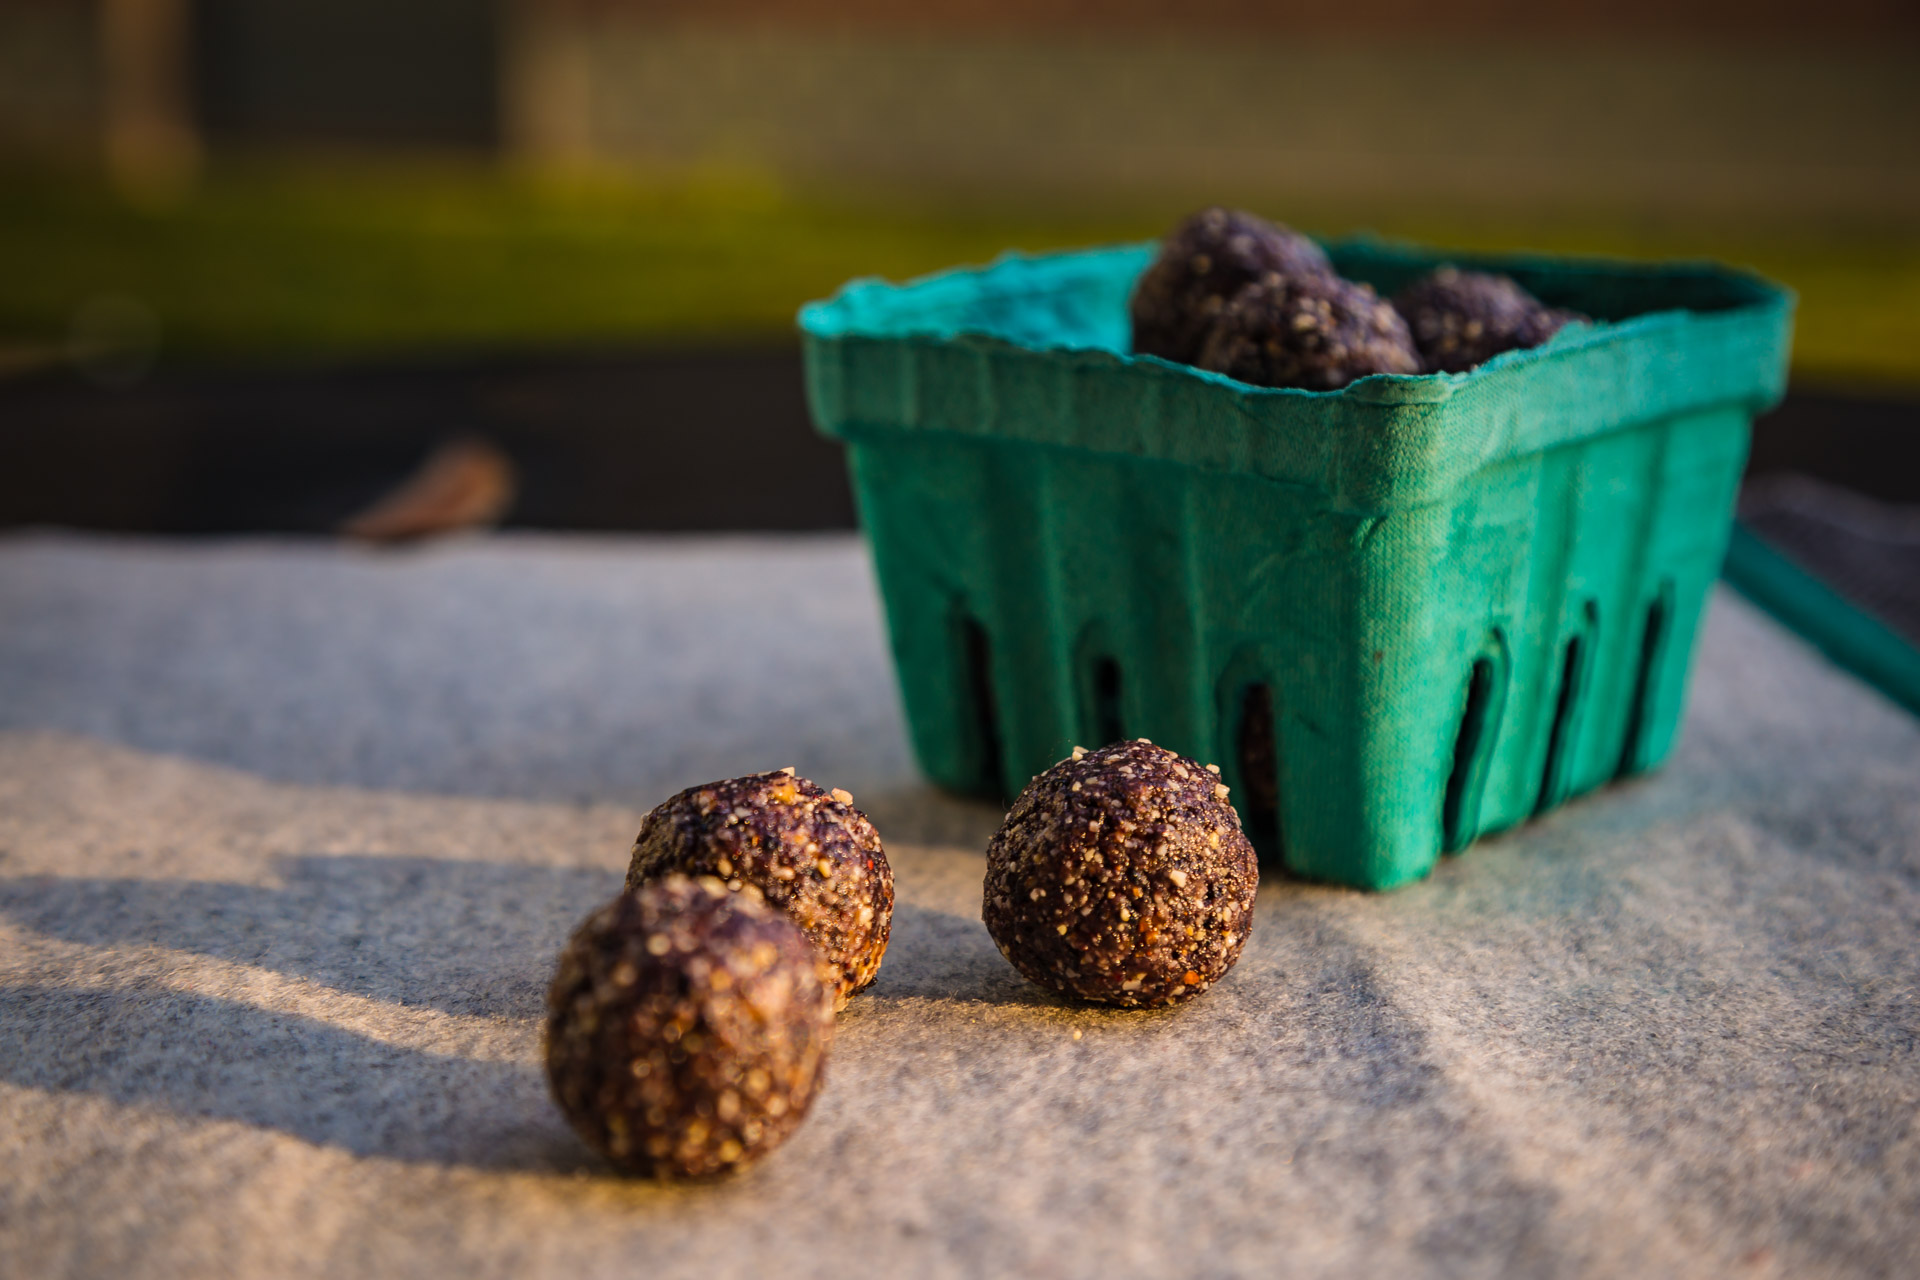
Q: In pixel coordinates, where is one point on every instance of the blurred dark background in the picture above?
(261, 259)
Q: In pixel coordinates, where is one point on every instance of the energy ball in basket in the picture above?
(1317, 332)
(1210, 257)
(687, 1028)
(1463, 318)
(810, 852)
(1121, 876)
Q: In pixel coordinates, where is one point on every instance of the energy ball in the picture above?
(1317, 332)
(1462, 318)
(1207, 260)
(808, 851)
(1121, 876)
(687, 1028)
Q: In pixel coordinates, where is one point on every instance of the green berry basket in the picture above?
(1399, 615)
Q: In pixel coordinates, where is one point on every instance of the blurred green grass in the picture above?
(353, 260)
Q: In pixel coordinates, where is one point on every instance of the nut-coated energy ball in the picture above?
(1121, 876)
(1317, 332)
(1462, 318)
(687, 1028)
(810, 852)
(1200, 267)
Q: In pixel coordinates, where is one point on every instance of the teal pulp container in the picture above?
(1398, 615)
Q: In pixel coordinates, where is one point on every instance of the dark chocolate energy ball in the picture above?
(1318, 332)
(1462, 318)
(1209, 258)
(1121, 876)
(810, 852)
(687, 1028)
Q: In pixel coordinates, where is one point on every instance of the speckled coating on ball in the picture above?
(1200, 267)
(1463, 318)
(687, 1028)
(1317, 332)
(809, 851)
(1121, 876)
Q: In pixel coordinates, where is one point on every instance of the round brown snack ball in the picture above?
(1209, 258)
(1462, 318)
(810, 852)
(687, 1028)
(1317, 332)
(1121, 876)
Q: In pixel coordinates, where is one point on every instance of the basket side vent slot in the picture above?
(1565, 705)
(977, 666)
(1258, 759)
(1459, 812)
(1109, 725)
(1639, 711)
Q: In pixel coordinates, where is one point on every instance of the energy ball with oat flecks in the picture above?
(810, 852)
(1317, 332)
(1210, 257)
(1463, 318)
(687, 1028)
(1121, 876)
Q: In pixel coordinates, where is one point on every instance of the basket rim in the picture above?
(1013, 273)
(884, 358)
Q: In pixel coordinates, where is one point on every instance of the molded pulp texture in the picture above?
(1399, 615)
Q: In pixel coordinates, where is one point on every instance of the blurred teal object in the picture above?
(1399, 615)
(1851, 636)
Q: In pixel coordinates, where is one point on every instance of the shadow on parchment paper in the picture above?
(939, 955)
(469, 938)
(923, 814)
(198, 1055)
(475, 939)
